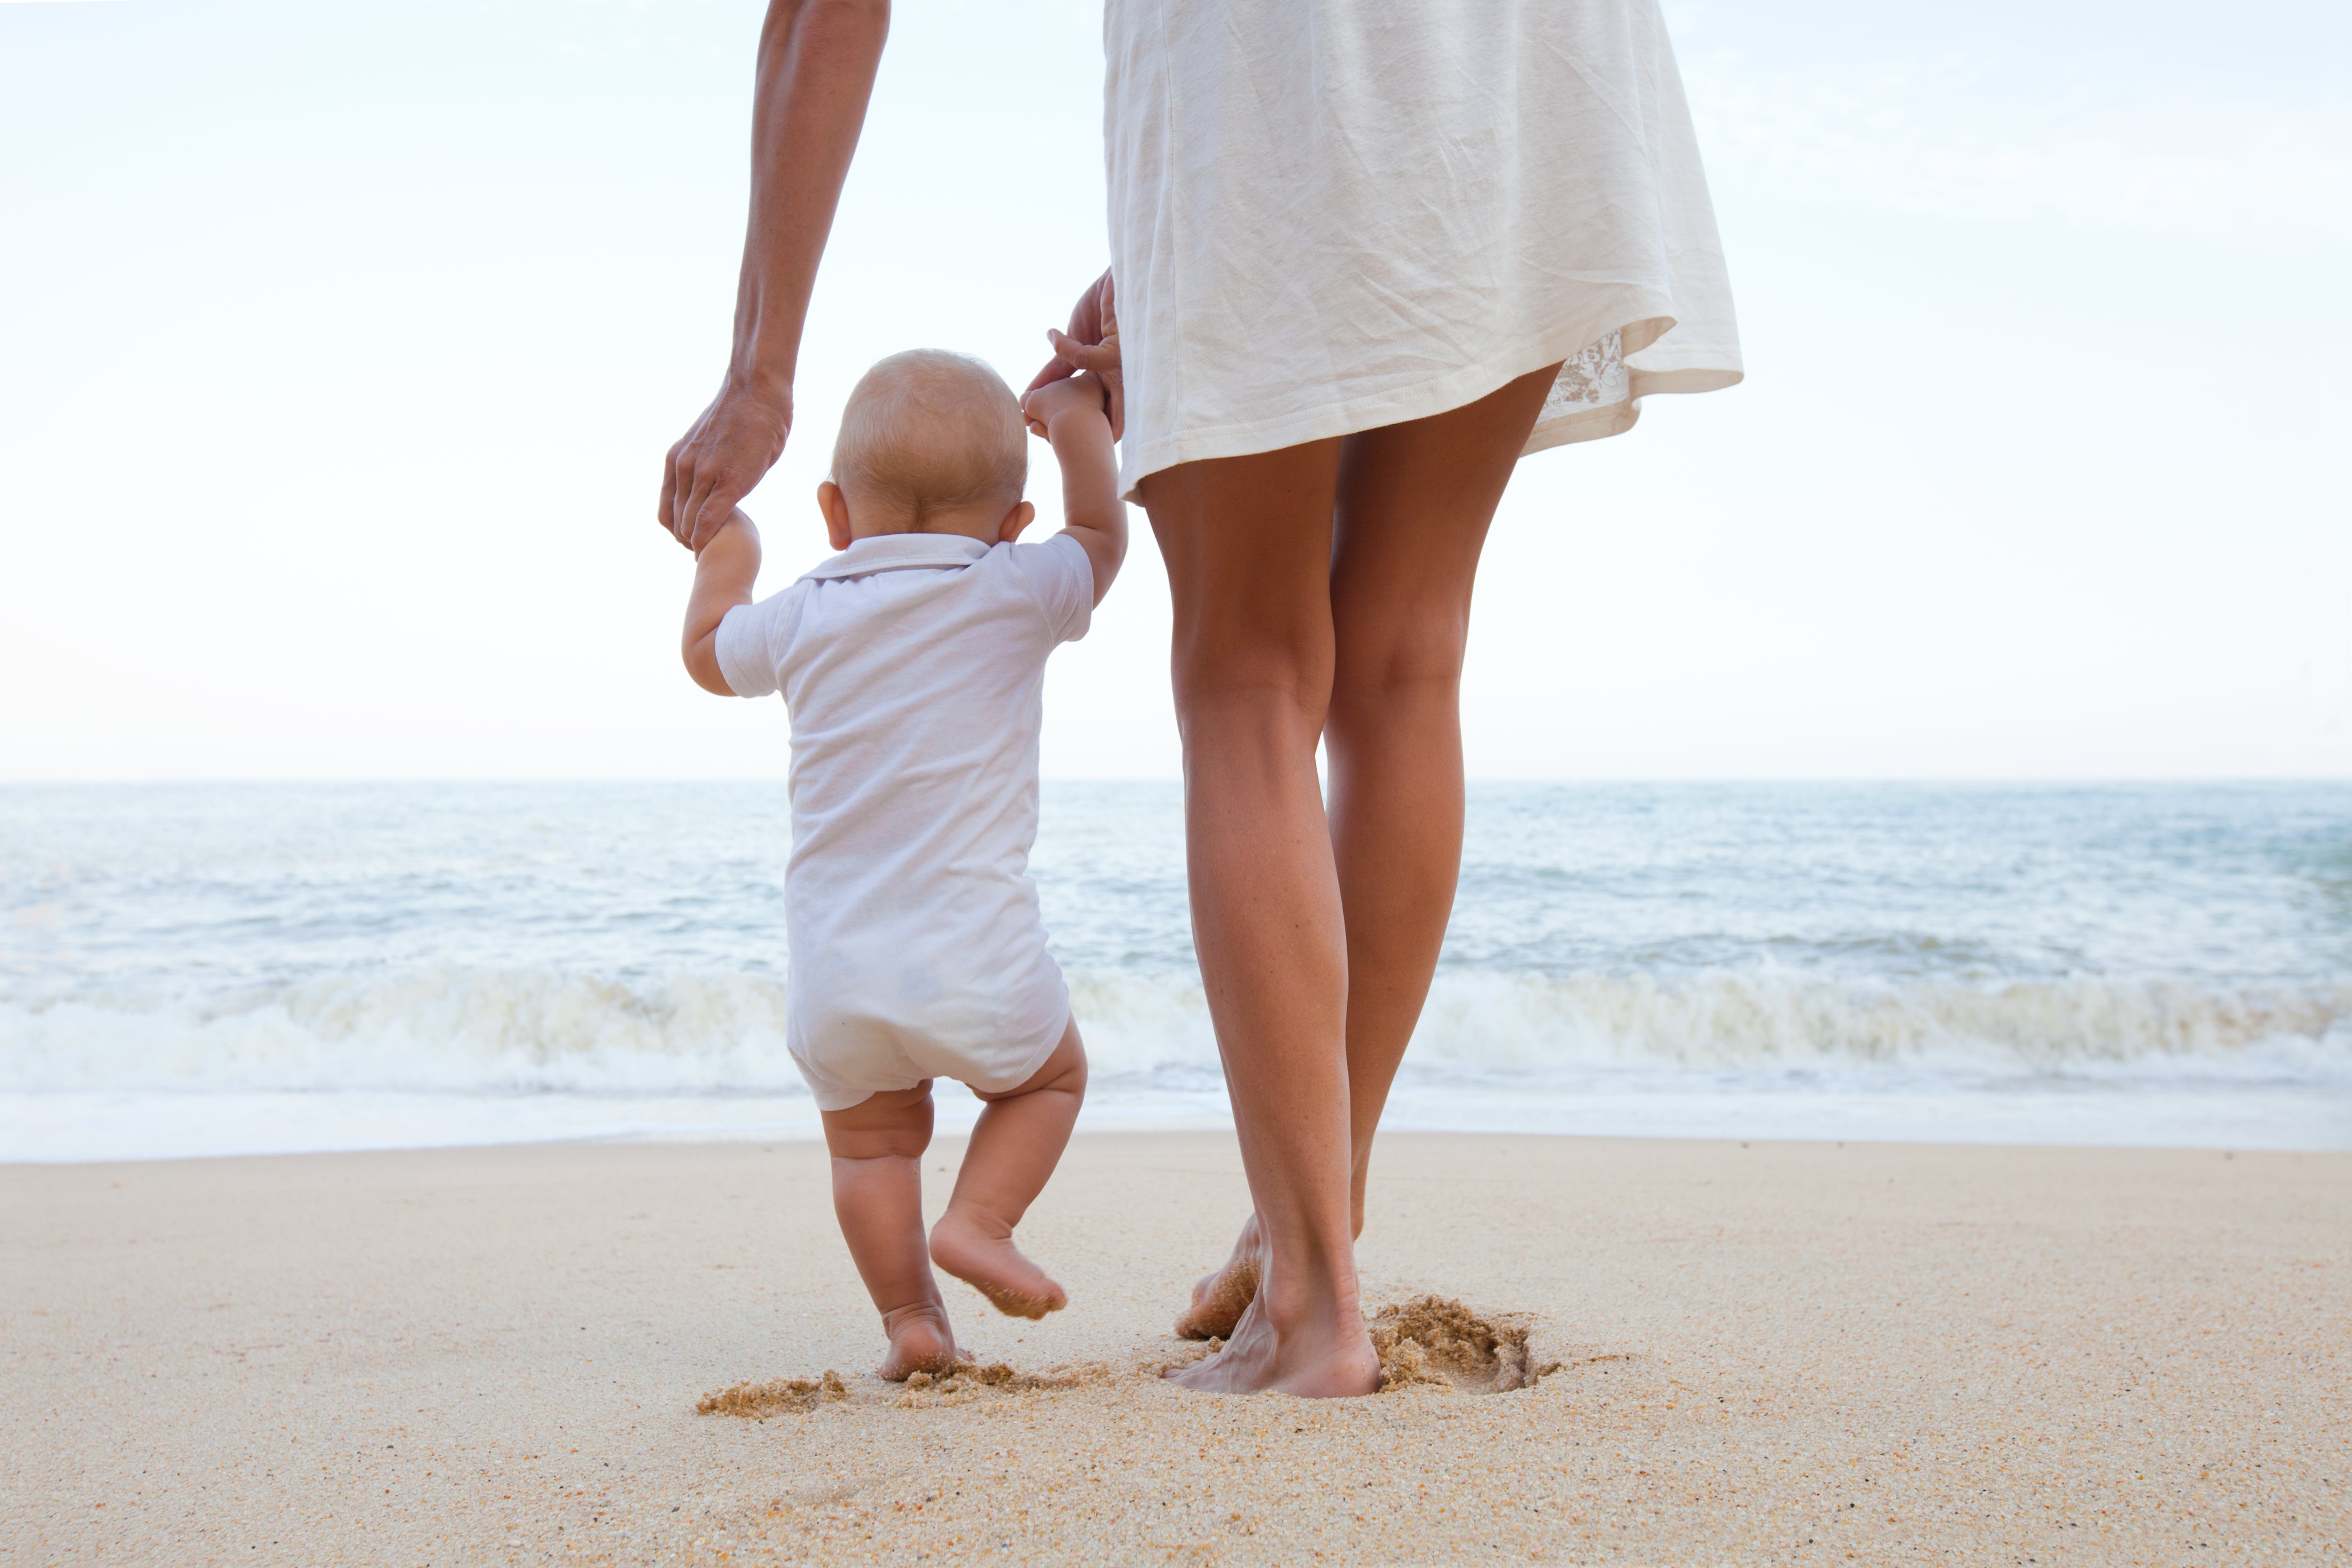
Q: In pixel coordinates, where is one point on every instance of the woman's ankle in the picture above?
(1323, 1302)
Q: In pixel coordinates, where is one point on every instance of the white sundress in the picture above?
(1329, 215)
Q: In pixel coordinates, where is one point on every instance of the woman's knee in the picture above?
(1255, 682)
(1401, 656)
(1263, 640)
(1247, 543)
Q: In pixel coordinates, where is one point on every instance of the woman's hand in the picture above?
(1090, 344)
(817, 59)
(715, 464)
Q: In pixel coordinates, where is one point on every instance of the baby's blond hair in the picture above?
(927, 430)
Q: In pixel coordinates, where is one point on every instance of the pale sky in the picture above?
(339, 345)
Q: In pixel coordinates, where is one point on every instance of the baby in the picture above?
(913, 664)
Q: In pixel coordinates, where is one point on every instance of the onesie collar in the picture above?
(898, 552)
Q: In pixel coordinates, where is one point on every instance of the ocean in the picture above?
(215, 969)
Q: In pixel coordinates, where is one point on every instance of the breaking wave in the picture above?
(456, 1028)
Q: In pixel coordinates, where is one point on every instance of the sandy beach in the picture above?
(1766, 1352)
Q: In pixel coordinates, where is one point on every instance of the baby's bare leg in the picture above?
(877, 1195)
(1014, 1147)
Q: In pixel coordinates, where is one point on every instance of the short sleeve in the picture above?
(752, 640)
(1062, 575)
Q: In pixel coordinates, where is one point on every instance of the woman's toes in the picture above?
(1220, 1298)
(1218, 1302)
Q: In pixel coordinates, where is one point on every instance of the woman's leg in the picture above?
(1248, 546)
(1414, 502)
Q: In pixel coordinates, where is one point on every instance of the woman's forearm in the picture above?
(817, 60)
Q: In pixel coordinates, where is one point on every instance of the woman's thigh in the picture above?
(1414, 502)
(1247, 542)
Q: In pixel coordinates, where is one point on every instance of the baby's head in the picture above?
(930, 442)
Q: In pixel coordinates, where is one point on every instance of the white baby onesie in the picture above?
(914, 666)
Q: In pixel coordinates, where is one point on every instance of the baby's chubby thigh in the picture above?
(889, 1124)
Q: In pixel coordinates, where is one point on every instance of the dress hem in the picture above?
(1637, 312)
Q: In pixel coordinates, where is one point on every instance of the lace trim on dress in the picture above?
(1591, 397)
(1595, 380)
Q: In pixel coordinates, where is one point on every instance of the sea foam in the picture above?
(447, 1028)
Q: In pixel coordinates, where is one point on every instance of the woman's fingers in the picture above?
(714, 502)
(1107, 308)
(666, 513)
(1100, 358)
(721, 457)
(686, 477)
(689, 512)
(1090, 344)
(1056, 369)
(1085, 315)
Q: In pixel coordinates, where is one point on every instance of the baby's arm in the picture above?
(1069, 413)
(724, 571)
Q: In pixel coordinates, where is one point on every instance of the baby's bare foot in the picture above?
(921, 1341)
(979, 1250)
(1221, 1296)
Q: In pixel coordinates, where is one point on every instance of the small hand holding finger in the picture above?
(1033, 410)
(1091, 345)
(1056, 369)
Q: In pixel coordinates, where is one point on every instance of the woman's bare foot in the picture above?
(977, 1248)
(1222, 1296)
(1317, 1359)
(921, 1341)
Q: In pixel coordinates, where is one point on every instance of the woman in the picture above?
(1366, 257)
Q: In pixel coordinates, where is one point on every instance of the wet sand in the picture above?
(1777, 1352)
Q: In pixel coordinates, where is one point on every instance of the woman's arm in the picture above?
(817, 59)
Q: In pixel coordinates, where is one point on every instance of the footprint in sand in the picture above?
(774, 1397)
(1431, 1342)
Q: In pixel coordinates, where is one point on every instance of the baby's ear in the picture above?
(1018, 518)
(835, 507)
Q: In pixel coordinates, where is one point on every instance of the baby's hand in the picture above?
(1064, 396)
(740, 523)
